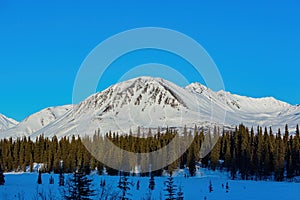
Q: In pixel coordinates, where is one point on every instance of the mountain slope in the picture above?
(6, 123)
(265, 111)
(36, 121)
(144, 102)
(153, 102)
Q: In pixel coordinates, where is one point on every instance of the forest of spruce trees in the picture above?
(249, 154)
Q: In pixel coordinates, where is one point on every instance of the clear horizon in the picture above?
(255, 46)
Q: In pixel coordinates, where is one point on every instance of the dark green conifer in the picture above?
(2, 177)
(79, 187)
(170, 188)
(39, 181)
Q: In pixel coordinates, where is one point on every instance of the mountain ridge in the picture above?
(154, 102)
(36, 121)
(6, 122)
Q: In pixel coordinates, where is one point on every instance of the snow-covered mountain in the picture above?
(36, 121)
(6, 123)
(153, 102)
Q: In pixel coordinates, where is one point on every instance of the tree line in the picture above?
(255, 153)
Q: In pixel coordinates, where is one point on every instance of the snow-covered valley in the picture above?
(24, 186)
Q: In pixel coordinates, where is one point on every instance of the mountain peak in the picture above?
(149, 102)
(197, 87)
(37, 121)
(6, 123)
(141, 93)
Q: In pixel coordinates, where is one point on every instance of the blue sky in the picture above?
(255, 44)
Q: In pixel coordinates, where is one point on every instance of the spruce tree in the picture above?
(51, 180)
(170, 189)
(227, 187)
(279, 158)
(61, 178)
(124, 186)
(210, 187)
(296, 152)
(258, 145)
(102, 189)
(2, 179)
(151, 183)
(39, 181)
(252, 154)
(180, 195)
(79, 188)
(233, 151)
(266, 155)
(138, 185)
(191, 159)
(102, 183)
(227, 151)
(16, 153)
(215, 152)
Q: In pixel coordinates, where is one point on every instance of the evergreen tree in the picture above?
(138, 185)
(180, 195)
(215, 153)
(124, 186)
(79, 188)
(286, 134)
(40, 177)
(296, 152)
(170, 189)
(266, 155)
(61, 178)
(233, 151)
(210, 187)
(244, 154)
(2, 179)
(297, 131)
(102, 189)
(51, 180)
(258, 146)
(279, 158)
(227, 151)
(227, 187)
(191, 155)
(254, 155)
(151, 183)
(16, 154)
(172, 153)
(102, 183)
(22, 154)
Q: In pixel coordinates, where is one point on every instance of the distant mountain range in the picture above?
(148, 102)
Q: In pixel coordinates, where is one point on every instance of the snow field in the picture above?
(24, 186)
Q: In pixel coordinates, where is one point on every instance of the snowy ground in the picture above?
(24, 186)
